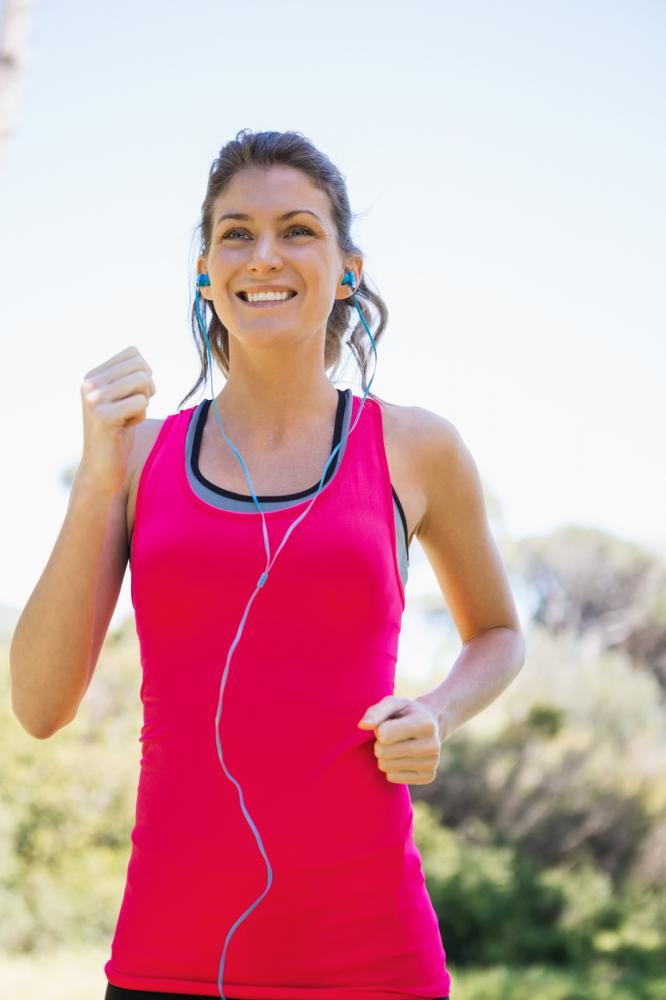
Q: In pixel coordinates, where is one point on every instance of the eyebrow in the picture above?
(242, 216)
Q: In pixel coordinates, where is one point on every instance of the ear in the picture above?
(354, 264)
(204, 290)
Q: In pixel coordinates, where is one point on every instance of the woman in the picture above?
(272, 854)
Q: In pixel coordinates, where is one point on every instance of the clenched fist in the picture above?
(114, 397)
(408, 739)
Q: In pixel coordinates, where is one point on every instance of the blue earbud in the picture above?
(202, 280)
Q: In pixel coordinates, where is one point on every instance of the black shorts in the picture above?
(118, 993)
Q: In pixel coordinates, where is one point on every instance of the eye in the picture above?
(228, 234)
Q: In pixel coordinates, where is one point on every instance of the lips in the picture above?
(266, 303)
(243, 294)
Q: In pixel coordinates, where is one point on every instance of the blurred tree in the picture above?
(569, 763)
(588, 582)
(543, 837)
(13, 46)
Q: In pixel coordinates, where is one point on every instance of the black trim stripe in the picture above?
(337, 434)
(196, 446)
(402, 517)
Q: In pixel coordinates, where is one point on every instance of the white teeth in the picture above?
(268, 296)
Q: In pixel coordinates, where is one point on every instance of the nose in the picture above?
(265, 253)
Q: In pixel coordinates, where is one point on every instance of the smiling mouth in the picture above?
(264, 303)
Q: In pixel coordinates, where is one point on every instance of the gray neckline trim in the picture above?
(222, 499)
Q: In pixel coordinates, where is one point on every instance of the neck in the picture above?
(266, 414)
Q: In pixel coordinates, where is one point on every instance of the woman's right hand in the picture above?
(115, 398)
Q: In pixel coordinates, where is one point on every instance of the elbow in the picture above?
(38, 729)
(517, 646)
(42, 733)
(37, 732)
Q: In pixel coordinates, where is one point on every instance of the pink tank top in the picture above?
(348, 915)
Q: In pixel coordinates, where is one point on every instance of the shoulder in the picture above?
(440, 440)
(432, 437)
(450, 476)
(145, 436)
(148, 431)
(422, 448)
(442, 462)
(439, 459)
(397, 417)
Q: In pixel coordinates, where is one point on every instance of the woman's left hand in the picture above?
(408, 739)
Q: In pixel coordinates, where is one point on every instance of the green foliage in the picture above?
(600, 980)
(497, 907)
(569, 763)
(543, 839)
(66, 810)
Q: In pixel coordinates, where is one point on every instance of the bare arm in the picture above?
(51, 655)
(458, 543)
(57, 640)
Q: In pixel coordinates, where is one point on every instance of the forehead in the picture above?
(269, 191)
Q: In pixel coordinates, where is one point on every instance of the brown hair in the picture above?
(294, 149)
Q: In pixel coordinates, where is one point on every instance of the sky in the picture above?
(507, 162)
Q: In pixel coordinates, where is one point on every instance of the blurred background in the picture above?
(507, 163)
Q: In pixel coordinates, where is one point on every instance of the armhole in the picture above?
(403, 519)
(147, 465)
(388, 497)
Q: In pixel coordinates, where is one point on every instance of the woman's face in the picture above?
(299, 253)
